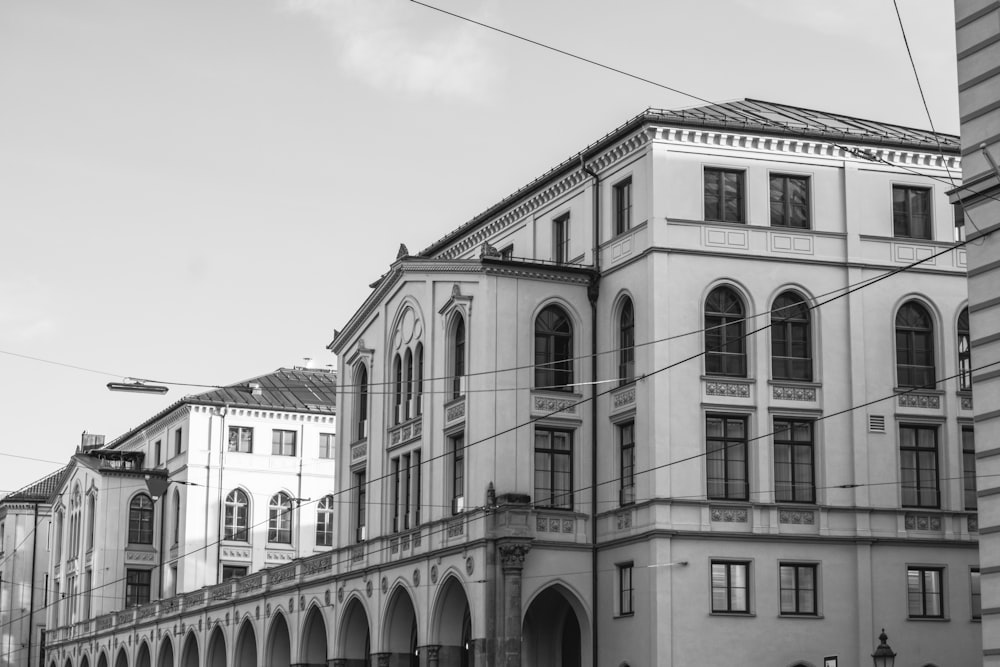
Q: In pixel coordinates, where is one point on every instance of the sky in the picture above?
(201, 191)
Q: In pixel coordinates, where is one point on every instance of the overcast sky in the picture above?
(200, 191)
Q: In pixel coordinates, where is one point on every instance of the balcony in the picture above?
(404, 433)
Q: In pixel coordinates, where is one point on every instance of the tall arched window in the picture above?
(553, 350)
(361, 409)
(91, 519)
(626, 343)
(177, 517)
(324, 522)
(140, 520)
(418, 368)
(397, 390)
(725, 337)
(914, 346)
(791, 349)
(279, 519)
(408, 408)
(964, 352)
(458, 359)
(75, 521)
(237, 517)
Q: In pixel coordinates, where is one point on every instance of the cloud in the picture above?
(379, 46)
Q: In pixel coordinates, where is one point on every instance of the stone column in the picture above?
(338, 662)
(512, 561)
(381, 659)
(429, 655)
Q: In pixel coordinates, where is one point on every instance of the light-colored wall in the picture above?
(23, 566)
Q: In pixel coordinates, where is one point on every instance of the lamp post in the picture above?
(883, 655)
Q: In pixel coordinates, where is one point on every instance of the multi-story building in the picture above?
(666, 391)
(978, 42)
(24, 557)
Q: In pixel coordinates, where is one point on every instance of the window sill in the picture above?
(933, 619)
(805, 617)
(620, 616)
(734, 614)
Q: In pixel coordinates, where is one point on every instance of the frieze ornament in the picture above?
(791, 393)
(512, 555)
(624, 397)
(729, 514)
(453, 412)
(922, 522)
(552, 404)
(735, 389)
(798, 517)
(913, 400)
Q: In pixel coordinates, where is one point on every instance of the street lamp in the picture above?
(883, 655)
(137, 386)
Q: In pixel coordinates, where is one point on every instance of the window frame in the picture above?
(554, 367)
(903, 220)
(970, 499)
(730, 564)
(906, 341)
(622, 202)
(724, 329)
(975, 594)
(797, 588)
(456, 461)
(558, 497)
(179, 441)
(793, 484)
(963, 337)
(626, 342)
(279, 519)
(361, 408)
(626, 463)
(233, 569)
(141, 520)
(626, 588)
(718, 174)
(236, 507)
(923, 593)
(134, 587)
(282, 447)
(560, 238)
(459, 334)
(726, 448)
(919, 465)
(784, 206)
(327, 445)
(790, 330)
(239, 432)
(324, 522)
(361, 502)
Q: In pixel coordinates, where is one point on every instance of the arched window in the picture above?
(408, 408)
(91, 519)
(361, 409)
(237, 517)
(725, 338)
(324, 522)
(626, 343)
(75, 521)
(914, 346)
(458, 360)
(791, 350)
(553, 350)
(418, 368)
(397, 390)
(279, 519)
(964, 352)
(177, 517)
(140, 520)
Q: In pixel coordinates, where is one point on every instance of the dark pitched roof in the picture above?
(39, 491)
(748, 115)
(295, 389)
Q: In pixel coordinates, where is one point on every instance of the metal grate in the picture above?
(876, 423)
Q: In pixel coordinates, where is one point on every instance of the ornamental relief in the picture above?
(564, 406)
(729, 514)
(733, 389)
(915, 400)
(792, 393)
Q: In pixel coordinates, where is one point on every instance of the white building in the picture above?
(619, 419)
(25, 516)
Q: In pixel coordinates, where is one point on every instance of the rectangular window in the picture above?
(797, 587)
(794, 461)
(241, 439)
(730, 587)
(789, 201)
(626, 444)
(623, 206)
(233, 572)
(918, 459)
(137, 586)
(959, 223)
(457, 474)
(327, 445)
(969, 467)
(158, 448)
(923, 592)
(360, 500)
(507, 253)
(283, 443)
(724, 195)
(625, 590)
(726, 462)
(553, 468)
(178, 442)
(976, 593)
(911, 212)
(560, 239)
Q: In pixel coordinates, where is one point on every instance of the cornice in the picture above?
(140, 438)
(859, 153)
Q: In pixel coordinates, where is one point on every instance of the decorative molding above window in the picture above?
(623, 398)
(555, 406)
(797, 517)
(788, 392)
(730, 388)
(729, 514)
(275, 556)
(454, 411)
(922, 521)
(359, 451)
(551, 524)
(914, 399)
(965, 400)
(404, 433)
(231, 553)
(624, 519)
